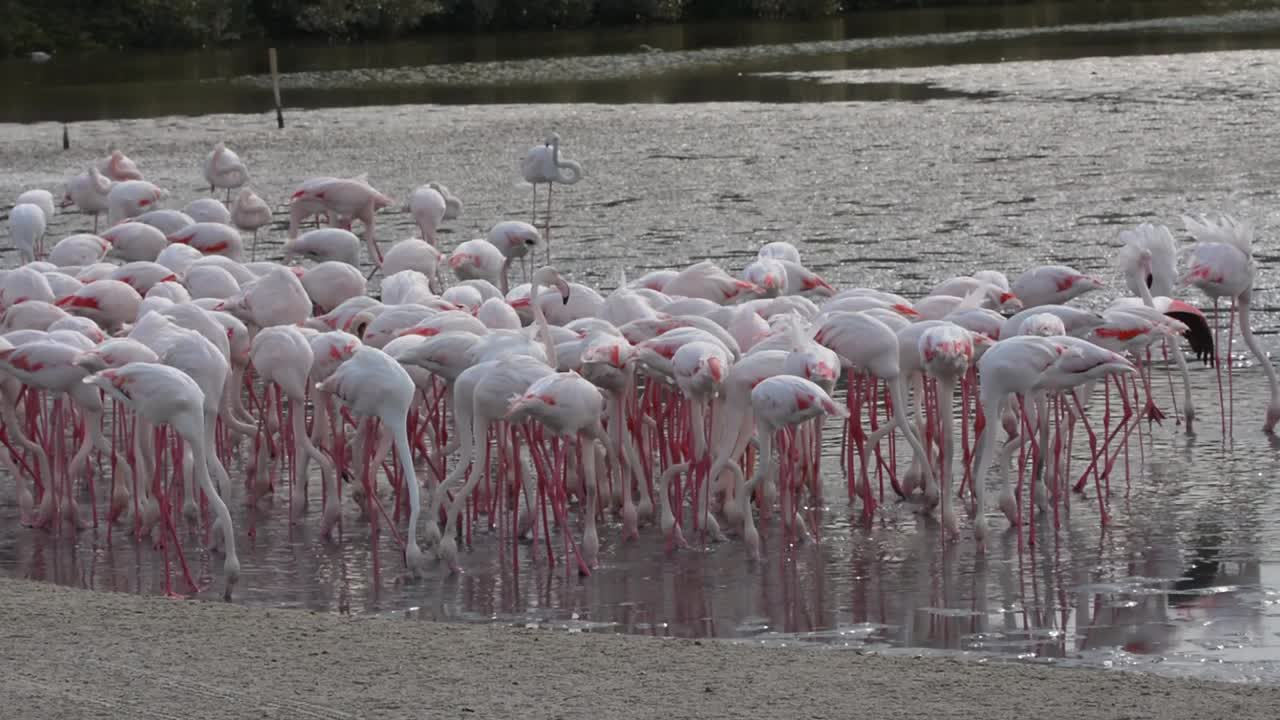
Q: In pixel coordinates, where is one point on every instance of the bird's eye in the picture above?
(530, 242)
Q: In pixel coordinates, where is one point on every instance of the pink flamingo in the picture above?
(571, 407)
(167, 396)
(778, 403)
(250, 213)
(374, 385)
(224, 169)
(1222, 265)
(88, 192)
(542, 165)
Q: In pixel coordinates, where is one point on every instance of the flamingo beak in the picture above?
(716, 368)
(564, 290)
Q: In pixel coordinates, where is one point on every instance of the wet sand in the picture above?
(68, 653)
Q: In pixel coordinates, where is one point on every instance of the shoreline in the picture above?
(71, 653)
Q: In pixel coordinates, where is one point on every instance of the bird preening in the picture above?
(692, 402)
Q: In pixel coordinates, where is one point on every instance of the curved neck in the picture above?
(1144, 292)
(540, 319)
(1242, 305)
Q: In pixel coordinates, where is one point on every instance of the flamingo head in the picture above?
(550, 277)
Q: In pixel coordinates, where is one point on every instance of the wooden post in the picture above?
(275, 86)
(66, 139)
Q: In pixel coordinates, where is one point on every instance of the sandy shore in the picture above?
(68, 653)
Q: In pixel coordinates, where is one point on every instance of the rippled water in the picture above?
(1006, 164)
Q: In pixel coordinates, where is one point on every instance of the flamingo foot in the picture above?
(1153, 412)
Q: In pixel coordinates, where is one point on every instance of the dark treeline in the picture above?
(74, 25)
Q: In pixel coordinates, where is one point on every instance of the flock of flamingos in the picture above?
(156, 352)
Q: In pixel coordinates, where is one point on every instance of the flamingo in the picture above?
(374, 385)
(1052, 285)
(570, 406)
(167, 396)
(1222, 266)
(428, 206)
(324, 245)
(131, 198)
(282, 355)
(110, 303)
(349, 199)
(88, 192)
(208, 210)
(78, 250)
(165, 220)
(135, 241)
(479, 260)
(250, 213)
(211, 238)
(118, 167)
(481, 396)
(542, 165)
(40, 198)
(27, 223)
(778, 403)
(514, 239)
(947, 351)
(224, 169)
(413, 254)
(330, 284)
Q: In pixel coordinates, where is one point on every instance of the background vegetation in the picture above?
(74, 25)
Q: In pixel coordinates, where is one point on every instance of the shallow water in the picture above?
(1012, 164)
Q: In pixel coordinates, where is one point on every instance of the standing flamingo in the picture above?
(1222, 265)
(167, 396)
(224, 169)
(88, 192)
(568, 405)
(778, 403)
(374, 385)
(250, 213)
(27, 225)
(542, 165)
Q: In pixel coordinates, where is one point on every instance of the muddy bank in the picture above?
(70, 653)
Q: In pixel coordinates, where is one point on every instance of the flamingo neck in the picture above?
(544, 327)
